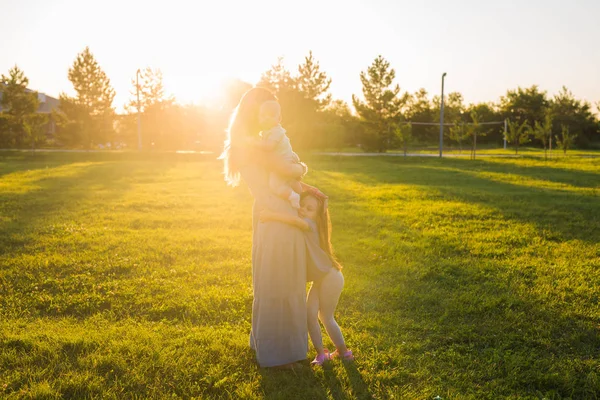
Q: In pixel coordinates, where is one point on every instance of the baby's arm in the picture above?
(298, 222)
(266, 145)
(271, 138)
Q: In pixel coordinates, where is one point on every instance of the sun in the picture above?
(204, 87)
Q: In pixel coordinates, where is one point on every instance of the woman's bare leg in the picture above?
(312, 313)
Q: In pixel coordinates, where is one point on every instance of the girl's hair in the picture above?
(243, 122)
(324, 227)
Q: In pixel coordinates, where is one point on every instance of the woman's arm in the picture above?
(267, 215)
(313, 190)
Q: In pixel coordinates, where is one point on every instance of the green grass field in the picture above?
(486, 150)
(128, 276)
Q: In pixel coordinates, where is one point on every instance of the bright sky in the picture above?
(486, 47)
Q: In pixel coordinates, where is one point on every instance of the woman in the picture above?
(279, 324)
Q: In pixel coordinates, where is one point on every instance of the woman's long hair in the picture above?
(243, 122)
(324, 227)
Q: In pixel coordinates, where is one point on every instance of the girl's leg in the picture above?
(312, 311)
(330, 289)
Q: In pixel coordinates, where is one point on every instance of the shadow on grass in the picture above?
(474, 324)
(478, 323)
(28, 211)
(284, 384)
(360, 389)
(11, 163)
(551, 172)
(51, 210)
(63, 193)
(563, 215)
(317, 383)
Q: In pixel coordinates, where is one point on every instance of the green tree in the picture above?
(37, 126)
(454, 111)
(313, 82)
(151, 90)
(404, 135)
(315, 125)
(308, 114)
(488, 112)
(521, 105)
(299, 113)
(518, 134)
(454, 107)
(418, 109)
(23, 124)
(474, 129)
(348, 127)
(277, 79)
(158, 112)
(543, 132)
(577, 115)
(566, 139)
(382, 106)
(90, 114)
(5, 136)
(336, 126)
(458, 132)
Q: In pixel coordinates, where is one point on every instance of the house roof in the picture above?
(47, 103)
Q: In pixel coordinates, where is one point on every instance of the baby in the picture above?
(274, 139)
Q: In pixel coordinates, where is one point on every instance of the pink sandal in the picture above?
(321, 358)
(347, 356)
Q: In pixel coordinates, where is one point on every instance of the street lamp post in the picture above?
(139, 123)
(442, 117)
(505, 132)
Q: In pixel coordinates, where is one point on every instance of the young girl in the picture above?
(325, 272)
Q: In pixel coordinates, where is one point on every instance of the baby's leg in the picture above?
(330, 289)
(279, 187)
(314, 329)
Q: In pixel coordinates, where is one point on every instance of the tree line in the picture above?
(384, 117)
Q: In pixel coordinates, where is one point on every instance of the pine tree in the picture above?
(90, 113)
(157, 109)
(381, 106)
(298, 112)
(313, 82)
(24, 124)
(152, 90)
(277, 79)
